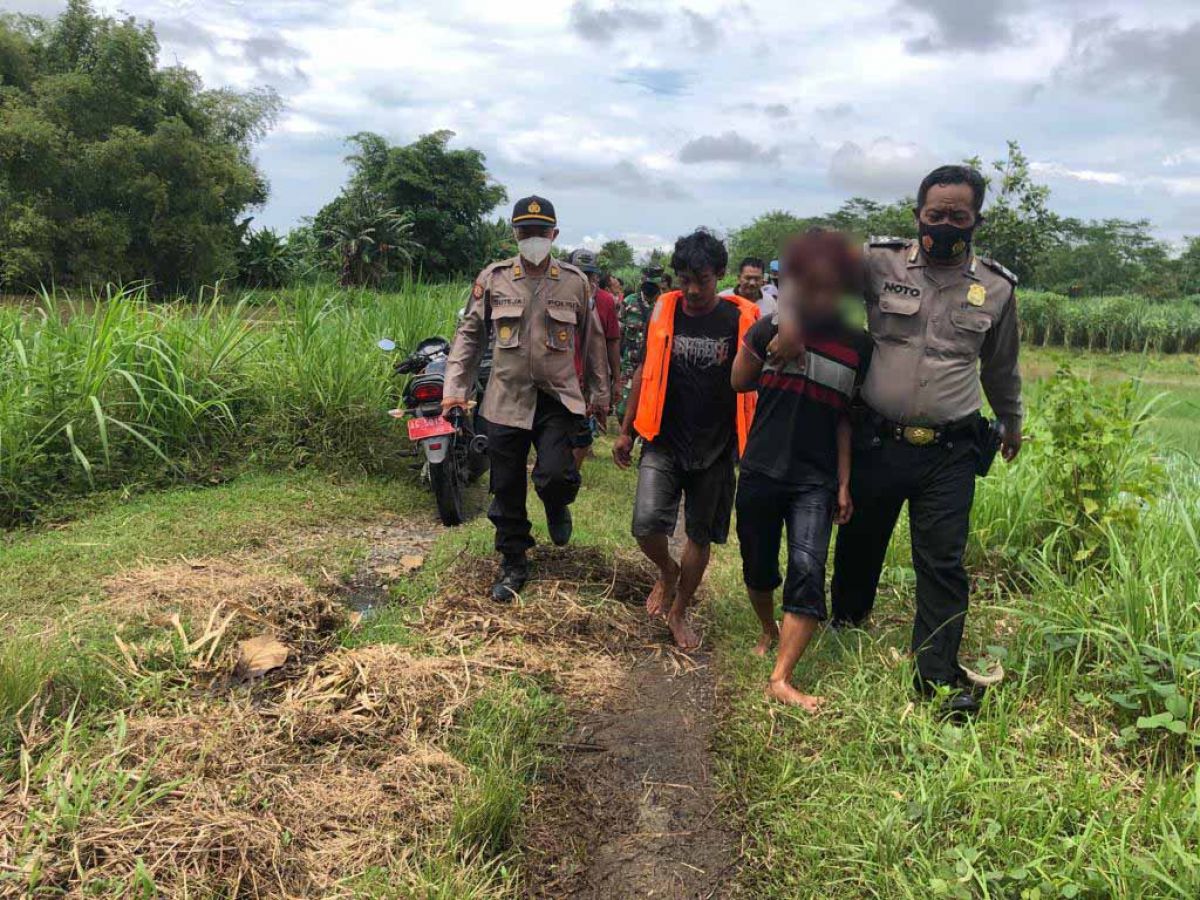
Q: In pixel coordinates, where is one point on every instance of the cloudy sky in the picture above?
(644, 119)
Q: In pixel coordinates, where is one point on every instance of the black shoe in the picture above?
(558, 521)
(962, 704)
(963, 701)
(513, 575)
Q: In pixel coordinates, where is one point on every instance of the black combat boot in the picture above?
(965, 698)
(514, 572)
(559, 524)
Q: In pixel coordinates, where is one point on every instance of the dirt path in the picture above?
(632, 811)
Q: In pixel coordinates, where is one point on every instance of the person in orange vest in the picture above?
(694, 425)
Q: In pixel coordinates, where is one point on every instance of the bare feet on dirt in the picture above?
(662, 595)
(784, 693)
(686, 637)
(766, 641)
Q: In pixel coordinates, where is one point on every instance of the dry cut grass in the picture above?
(337, 765)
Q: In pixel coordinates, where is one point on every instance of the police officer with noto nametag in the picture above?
(529, 309)
(943, 321)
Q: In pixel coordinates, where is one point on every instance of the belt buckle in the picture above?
(918, 436)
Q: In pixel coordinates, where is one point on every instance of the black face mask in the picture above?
(945, 241)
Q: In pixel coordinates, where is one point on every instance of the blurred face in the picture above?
(818, 289)
(820, 299)
(750, 283)
(952, 204)
(699, 289)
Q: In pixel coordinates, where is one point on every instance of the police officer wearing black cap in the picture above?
(530, 309)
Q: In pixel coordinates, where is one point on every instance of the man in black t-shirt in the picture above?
(683, 405)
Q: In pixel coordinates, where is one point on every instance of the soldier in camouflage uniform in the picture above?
(633, 315)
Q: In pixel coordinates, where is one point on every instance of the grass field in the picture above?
(1079, 780)
(128, 392)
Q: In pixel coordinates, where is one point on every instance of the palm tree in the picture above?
(368, 237)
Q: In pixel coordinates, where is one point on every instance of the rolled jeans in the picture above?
(765, 506)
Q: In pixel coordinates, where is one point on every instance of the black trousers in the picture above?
(939, 484)
(555, 477)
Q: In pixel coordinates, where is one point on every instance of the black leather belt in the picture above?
(925, 435)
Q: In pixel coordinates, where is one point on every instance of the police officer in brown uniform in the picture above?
(529, 308)
(943, 321)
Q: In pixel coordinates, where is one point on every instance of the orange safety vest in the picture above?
(656, 365)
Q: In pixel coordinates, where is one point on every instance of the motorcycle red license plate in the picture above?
(421, 427)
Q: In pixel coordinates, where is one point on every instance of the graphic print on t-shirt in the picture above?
(699, 406)
(702, 352)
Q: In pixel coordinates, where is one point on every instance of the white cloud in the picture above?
(595, 100)
(884, 168)
(641, 243)
(1058, 170)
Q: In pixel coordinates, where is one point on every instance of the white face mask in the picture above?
(535, 249)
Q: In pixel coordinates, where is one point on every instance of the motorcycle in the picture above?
(454, 447)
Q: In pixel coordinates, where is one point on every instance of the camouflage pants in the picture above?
(623, 403)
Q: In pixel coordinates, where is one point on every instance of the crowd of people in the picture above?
(764, 400)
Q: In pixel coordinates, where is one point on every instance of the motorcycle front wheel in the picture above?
(448, 491)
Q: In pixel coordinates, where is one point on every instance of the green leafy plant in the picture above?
(1099, 475)
(370, 239)
(265, 259)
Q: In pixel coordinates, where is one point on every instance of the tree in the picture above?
(265, 259)
(1189, 267)
(445, 195)
(112, 169)
(1111, 256)
(615, 255)
(870, 219)
(370, 239)
(765, 236)
(1019, 228)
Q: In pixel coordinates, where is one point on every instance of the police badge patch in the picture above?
(976, 295)
(477, 290)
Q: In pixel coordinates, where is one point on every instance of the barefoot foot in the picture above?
(686, 637)
(783, 692)
(766, 641)
(662, 595)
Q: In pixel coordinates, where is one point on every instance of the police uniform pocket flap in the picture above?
(899, 305)
(506, 324)
(971, 320)
(560, 327)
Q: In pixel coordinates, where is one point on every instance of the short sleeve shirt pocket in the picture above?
(896, 316)
(560, 328)
(970, 328)
(506, 325)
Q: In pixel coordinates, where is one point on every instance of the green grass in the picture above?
(1073, 783)
(500, 738)
(1176, 377)
(1079, 780)
(1117, 323)
(54, 569)
(122, 391)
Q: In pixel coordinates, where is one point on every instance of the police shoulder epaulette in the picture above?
(894, 242)
(999, 270)
(492, 267)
